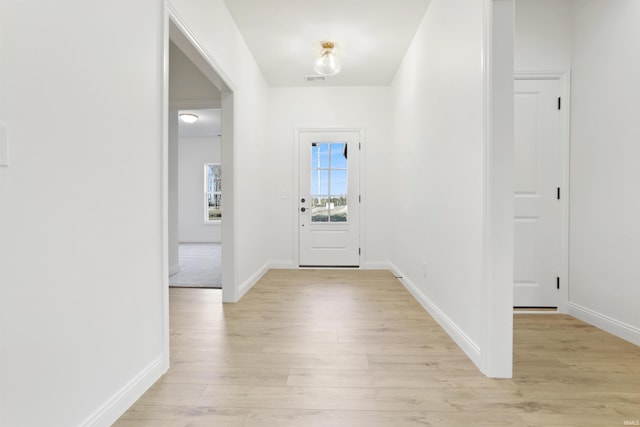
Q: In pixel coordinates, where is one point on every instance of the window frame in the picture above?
(207, 193)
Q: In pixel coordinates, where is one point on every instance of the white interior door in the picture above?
(537, 208)
(328, 199)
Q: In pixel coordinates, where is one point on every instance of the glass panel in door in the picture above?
(329, 179)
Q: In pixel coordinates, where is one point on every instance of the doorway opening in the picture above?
(188, 95)
(199, 189)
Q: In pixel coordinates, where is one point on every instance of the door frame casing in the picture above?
(296, 188)
(563, 77)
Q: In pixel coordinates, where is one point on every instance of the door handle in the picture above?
(303, 209)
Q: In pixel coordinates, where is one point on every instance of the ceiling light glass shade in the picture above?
(188, 117)
(328, 64)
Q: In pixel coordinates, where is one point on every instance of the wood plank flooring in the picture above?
(353, 348)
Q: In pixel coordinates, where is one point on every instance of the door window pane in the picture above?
(320, 155)
(320, 208)
(329, 181)
(338, 156)
(319, 182)
(338, 202)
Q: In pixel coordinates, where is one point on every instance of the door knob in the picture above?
(303, 200)
(303, 209)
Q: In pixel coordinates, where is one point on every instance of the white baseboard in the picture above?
(376, 265)
(609, 324)
(251, 281)
(174, 269)
(282, 265)
(118, 404)
(471, 349)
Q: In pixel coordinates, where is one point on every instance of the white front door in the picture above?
(328, 199)
(537, 192)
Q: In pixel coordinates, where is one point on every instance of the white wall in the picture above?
(605, 177)
(437, 234)
(194, 152)
(81, 259)
(188, 87)
(209, 22)
(81, 263)
(437, 162)
(543, 35)
(344, 107)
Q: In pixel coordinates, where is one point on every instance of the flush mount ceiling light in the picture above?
(327, 64)
(188, 117)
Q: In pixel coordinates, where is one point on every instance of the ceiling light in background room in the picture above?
(328, 63)
(188, 117)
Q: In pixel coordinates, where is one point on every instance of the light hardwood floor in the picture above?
(353, 348)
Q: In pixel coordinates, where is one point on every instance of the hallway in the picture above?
(353, 348)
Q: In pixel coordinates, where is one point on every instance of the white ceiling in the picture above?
(371, 37)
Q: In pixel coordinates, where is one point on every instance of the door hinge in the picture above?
(559, 103)
(557, 283)
(558, 193)
(359, 146)
(359, 251)
(359, 198)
